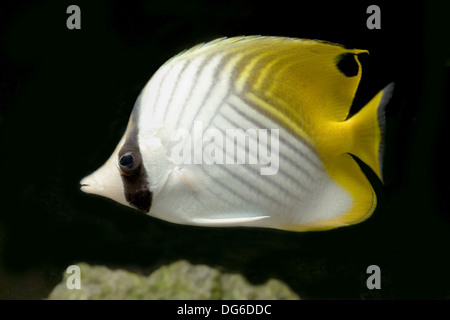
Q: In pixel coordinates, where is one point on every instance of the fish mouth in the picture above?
(105, 182)
(84, 187)
(87, 185)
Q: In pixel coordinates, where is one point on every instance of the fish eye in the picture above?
(129, 162)
(126, 160)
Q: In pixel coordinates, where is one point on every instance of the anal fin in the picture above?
(346, 172)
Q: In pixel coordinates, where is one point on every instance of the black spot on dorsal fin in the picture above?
(346, 63)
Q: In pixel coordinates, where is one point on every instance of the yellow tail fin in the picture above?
(369, 128)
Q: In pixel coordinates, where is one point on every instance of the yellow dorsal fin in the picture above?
(294, 75)
(298, 75)
(299, 82)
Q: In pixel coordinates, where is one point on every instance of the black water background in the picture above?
(65, 98)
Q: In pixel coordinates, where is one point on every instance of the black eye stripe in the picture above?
(133, 173)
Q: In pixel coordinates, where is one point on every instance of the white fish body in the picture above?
(185, 118)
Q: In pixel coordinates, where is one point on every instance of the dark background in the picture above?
(65, 99)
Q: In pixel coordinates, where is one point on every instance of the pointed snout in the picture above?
(106, 182)
(90, 184)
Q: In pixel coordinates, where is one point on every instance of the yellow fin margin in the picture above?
(367, 128)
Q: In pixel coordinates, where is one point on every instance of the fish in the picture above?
(251, 131)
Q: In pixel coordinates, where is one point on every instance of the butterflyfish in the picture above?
(250, 131)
